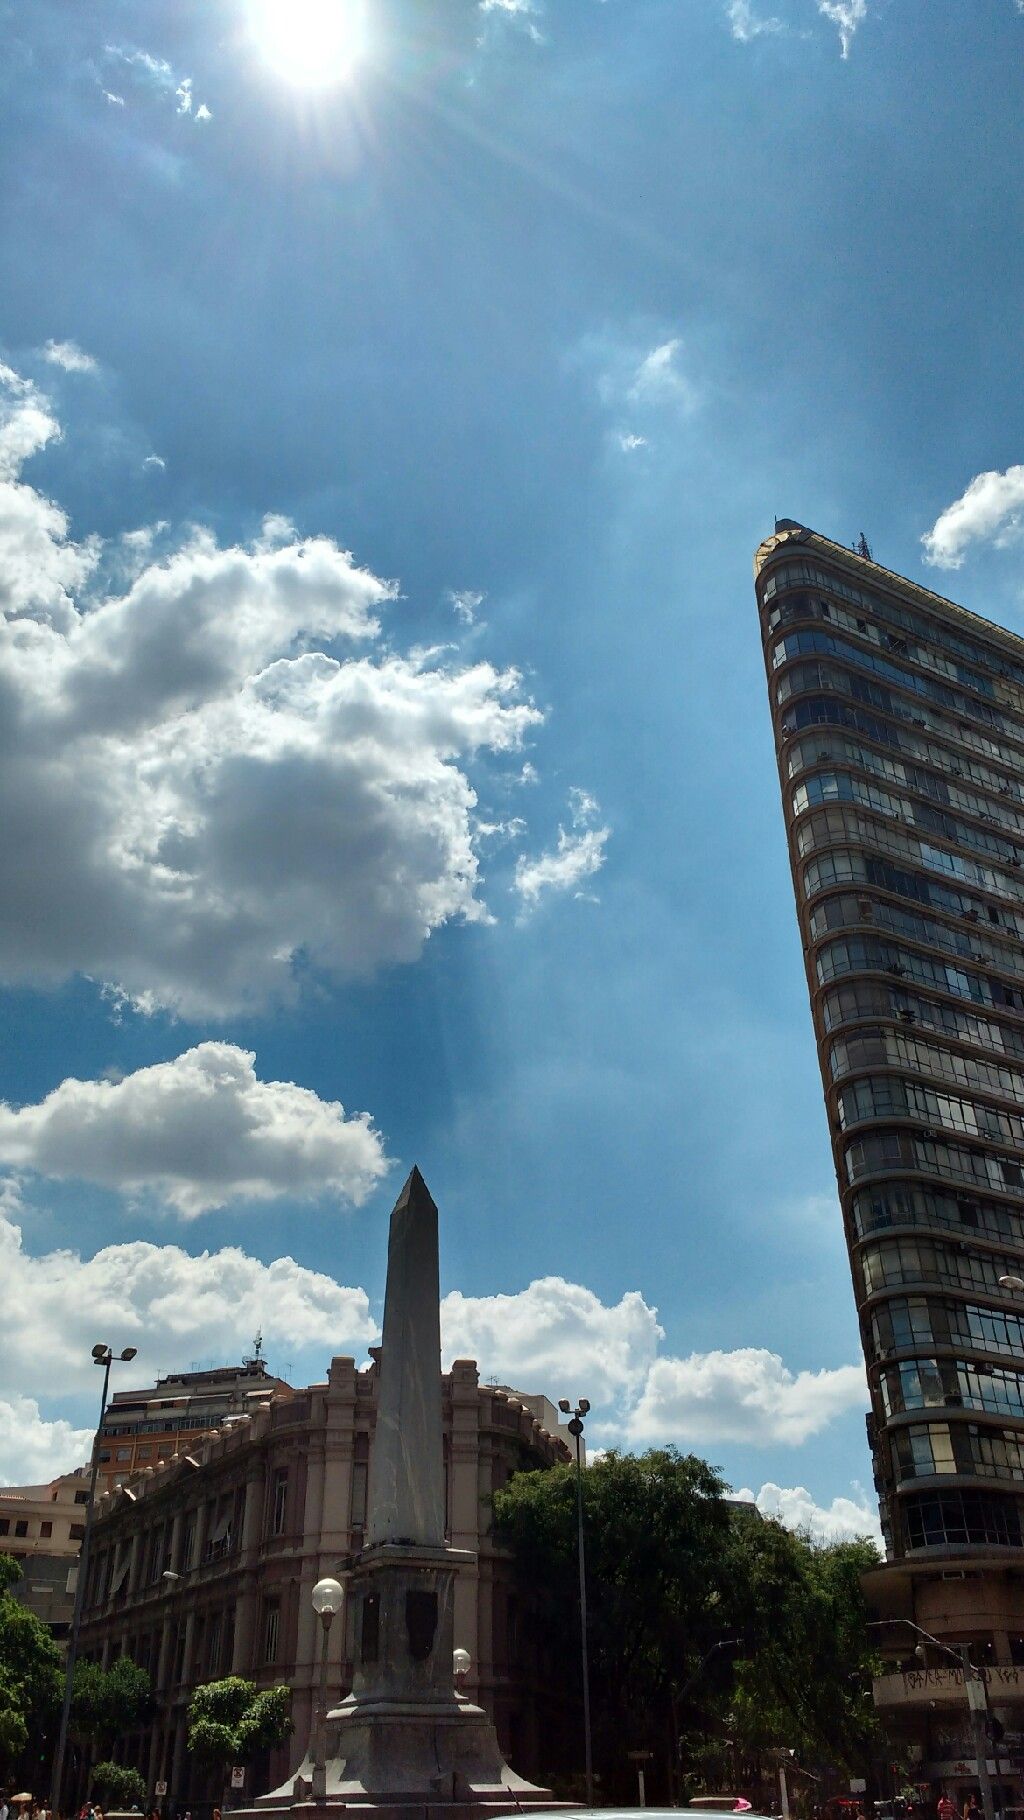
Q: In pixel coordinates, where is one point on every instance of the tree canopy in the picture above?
(715, 1637)
(107, 1702)
(118, 1785)
(30, 1678)
(231, 1721)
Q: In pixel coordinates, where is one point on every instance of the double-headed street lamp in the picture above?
(101, 1355)
(575, 1427)
(977, 1698)
(328, 1599)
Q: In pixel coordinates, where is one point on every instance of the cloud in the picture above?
(659, 378)
(846, 15)
(748, 1395)
(520, 12)
(154, 461)
(745, 24)
(554, 1334)
(629, 442)
(114, 100)
(160, 75)
(465, 603)
(991, 507)
(198, 1132)
(547, 1337)
(578, 855)
(844, 1520)
(70, 356)
(206, 792)
(34, 1451)
(39, 565)
(172, 1305)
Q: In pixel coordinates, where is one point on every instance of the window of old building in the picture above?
(279, 1501)
(271, 1632)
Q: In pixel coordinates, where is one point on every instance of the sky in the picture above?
(392, 398)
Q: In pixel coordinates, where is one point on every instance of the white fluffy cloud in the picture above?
(32, 1450)
(70, 356)
(748, 1395)
(555, 1337)
(991, 507)
(198, 1132)
(577, 856)
(844, 1520)
(845, 15)
(203, 790)
(172, 1305)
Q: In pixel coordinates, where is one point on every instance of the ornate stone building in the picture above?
(203, 1564)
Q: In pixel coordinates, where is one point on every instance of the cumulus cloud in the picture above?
(40, 566)
(172, 1305)
(198, 1132)
(845, 15)
(578, 854)
(748, 1395)
(32, 1450)
(745, 24)
(205, 790)
(547, 1337)
(70, 356)
(844, 1520)
(990, 508)
(554, 1334)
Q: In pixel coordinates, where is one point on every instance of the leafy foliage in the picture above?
(118, 1785)
(30, 1674)
(106, 1703)
(672, 1571)
(230, 1721)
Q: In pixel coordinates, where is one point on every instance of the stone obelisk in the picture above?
(403, 1738)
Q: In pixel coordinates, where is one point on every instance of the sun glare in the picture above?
(311, 43)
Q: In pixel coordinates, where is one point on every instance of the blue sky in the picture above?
(381, 463)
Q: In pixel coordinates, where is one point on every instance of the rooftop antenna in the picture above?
(862, 547)
(257, 1345)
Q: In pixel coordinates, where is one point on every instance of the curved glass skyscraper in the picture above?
(899, 728)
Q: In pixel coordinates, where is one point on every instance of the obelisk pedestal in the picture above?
(403, 1738)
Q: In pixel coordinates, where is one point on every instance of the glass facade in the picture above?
(899, 729)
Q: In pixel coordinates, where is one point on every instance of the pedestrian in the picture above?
(946, 1809)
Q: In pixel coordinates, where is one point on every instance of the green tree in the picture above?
(30, 1680)
(231, 1721)
(107, 1702)
(117, 1785)
(672, 1571)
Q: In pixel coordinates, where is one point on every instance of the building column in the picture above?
(163, 1665)
(133, 1567)
(174, 1554)
(177, 1760)
(245, 1626)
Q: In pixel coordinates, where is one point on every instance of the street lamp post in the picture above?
(977, 1700)
(101, 1355)
(575, 1427)
(328, 1598)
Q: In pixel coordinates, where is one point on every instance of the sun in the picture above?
(311, 43)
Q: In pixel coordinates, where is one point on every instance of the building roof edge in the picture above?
(789, 532)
